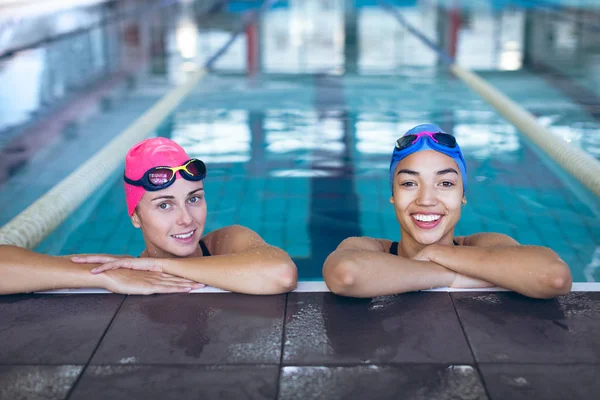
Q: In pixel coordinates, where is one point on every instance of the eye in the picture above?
(164, 206)
(447, 184)
(408, 184)
(195, 199)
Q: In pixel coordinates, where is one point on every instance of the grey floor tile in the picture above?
(37, 382)
(325, 329)
(177, 382)
(509, 328)
(414, 382)
(541, 381)
(53, 329)
(210, 328)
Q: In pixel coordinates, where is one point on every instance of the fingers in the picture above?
(195, 285)
(97, 259)
(174, 282)
(170, 289)
(109, 266)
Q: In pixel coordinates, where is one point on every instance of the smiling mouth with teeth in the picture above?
(426, 218)
(185, 235)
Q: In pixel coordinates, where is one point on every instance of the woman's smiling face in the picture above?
(427, 197)
(172, 220)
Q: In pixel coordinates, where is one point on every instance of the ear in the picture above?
(392, 200)
(135, 220)
(464, 200)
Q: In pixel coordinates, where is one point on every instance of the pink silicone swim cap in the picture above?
(149, 153)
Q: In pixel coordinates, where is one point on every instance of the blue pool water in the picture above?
(304, 162)
(301, 153)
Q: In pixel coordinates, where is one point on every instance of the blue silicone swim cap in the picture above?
(425, 142)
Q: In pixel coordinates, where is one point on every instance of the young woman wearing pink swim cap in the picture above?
(165, 197)
(428, 181)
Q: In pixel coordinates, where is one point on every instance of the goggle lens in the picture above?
(194, 168)
(160, 176)
(442, 138)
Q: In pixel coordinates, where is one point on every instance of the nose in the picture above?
(426, 196)
(184, 217)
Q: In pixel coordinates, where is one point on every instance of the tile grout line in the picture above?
(70, 392)
(280, 366)
(475, 362)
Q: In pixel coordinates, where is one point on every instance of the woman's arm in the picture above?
(530, 270)
(360, 267)
(241, 262)
(23, 271)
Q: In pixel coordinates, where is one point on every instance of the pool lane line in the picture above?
(582, 166)
(320, 287)
(36, 222)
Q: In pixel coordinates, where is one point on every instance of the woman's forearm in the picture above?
(23, 271)
(530, 270)
(261, 270)
(360, 273)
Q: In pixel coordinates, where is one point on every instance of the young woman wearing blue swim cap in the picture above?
(165, 196)
(428, 181)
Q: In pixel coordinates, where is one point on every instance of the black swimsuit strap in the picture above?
(394, 247)
(205, 251)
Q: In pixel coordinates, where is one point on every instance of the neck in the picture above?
(409, 247)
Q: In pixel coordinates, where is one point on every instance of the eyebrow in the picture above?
(172, 197)
(447, 171)
(442, 172)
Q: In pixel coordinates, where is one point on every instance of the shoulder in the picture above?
(232, 239)
(365, 243)
(486, 239)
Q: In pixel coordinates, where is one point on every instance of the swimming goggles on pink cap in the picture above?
(158, 178)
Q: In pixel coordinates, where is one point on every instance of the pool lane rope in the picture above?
(36, 222)
(581, 165)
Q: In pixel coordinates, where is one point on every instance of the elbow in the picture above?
(556, 281)
(340, 276)
(285, 277)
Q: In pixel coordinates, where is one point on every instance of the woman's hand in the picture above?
(460, 281)
(466, 282)
(143, 271)
(143, 282)
(110, 263)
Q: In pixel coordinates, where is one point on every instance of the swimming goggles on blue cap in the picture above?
(428, 137)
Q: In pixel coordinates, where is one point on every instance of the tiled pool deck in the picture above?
(428, 345)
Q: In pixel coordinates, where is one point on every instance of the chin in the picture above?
(177, 251)
(427, 239)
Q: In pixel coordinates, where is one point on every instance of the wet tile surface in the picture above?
(376, 382)
(177, 382)
(53, 329)
(549, 382)
(509, 328)
(37, 382)
(215, 328)
(325, 329)
(407, 346)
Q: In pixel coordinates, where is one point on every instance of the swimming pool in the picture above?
(304, 161)
(301, 156)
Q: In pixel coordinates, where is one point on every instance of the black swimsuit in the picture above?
(394, 247)
(205, 252)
